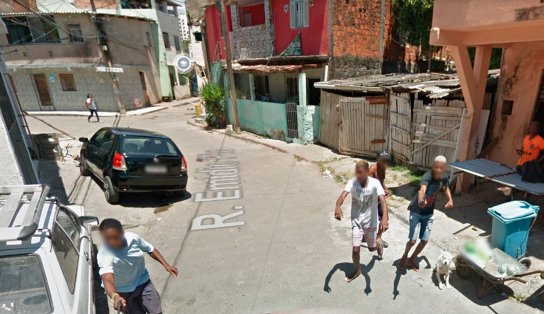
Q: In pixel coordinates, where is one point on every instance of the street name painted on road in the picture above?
(224, 183)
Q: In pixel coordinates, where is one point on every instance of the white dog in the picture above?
(444, 266)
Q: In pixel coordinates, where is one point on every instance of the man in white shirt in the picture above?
(366, 193)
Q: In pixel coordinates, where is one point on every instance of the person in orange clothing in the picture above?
(533, 144)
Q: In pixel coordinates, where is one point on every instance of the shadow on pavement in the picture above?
(48, 149)
(347, 269)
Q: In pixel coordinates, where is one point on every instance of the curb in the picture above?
(85, 114)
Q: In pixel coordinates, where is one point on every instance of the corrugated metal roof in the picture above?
(435, 85)
(482, 168)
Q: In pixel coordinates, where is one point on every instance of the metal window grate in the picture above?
(292, 123)
(20, 210)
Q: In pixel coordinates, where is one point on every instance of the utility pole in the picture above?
(103, 43)
(232, 88)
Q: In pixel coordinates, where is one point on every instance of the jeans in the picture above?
(93, 112)
(145, 299)
(424, 222)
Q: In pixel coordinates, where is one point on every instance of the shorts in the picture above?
(424, 222)
(369, 234)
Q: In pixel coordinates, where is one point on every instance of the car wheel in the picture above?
(83, 169)
(112, 196)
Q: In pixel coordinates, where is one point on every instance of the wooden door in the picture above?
(329, 119)
(400, 123)
(144, 89)
(363, 128)
(42, 89)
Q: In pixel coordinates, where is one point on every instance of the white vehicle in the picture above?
(45, 254)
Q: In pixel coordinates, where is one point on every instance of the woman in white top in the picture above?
(93, 109)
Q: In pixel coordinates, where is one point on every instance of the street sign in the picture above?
(109, 69)
(184, 64)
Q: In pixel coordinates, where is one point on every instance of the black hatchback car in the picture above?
(132, 160)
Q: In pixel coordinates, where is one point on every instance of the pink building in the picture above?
(516, 26)
(282, 47)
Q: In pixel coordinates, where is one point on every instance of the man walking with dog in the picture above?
(421, 210)
(366, 193)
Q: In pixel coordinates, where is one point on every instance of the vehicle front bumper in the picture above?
(129, 183)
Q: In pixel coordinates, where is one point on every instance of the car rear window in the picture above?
(133, 145)
(23, 288)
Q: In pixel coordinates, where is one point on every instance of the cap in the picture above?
(441, 159)
(384, 155)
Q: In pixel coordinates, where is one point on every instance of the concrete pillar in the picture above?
(304, 113)
(251, 86)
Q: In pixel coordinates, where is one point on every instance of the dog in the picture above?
(444, 266)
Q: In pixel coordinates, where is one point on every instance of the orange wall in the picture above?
(529, 58)
(456, 14)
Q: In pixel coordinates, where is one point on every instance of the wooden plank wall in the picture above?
(435, 130)
(329, 119)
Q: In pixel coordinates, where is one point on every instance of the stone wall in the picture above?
(355, 32)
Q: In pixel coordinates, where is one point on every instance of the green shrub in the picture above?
(214, 101)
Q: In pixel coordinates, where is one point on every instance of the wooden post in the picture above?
(230, 74)
(473, 81)
(251, 86)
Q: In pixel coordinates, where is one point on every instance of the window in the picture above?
(23, 279)
(74, 33)
(139, 145)
(67, 82)
(25, 30)
(149, 40)
(262, 91)
(177, 44)
(98, 138)
(65, 238)
(166, 39)
(299, 13)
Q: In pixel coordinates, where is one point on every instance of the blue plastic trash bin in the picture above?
(511, 224)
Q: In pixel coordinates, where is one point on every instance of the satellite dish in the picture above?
(184, 64)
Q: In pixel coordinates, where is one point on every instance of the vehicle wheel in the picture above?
(112, 196)
(462, 269)
(526, 262)
(83, 169)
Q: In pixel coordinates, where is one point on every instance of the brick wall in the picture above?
(355, 33)
(100, 4)
(18, 6)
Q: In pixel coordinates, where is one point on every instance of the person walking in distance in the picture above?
(378, 171)
(123, 272)
(366, 193)
(91, 106)
(422, 208)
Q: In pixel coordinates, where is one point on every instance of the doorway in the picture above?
(42, 89)
(147, 102)
(539, 106)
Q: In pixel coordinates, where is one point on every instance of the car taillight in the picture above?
(118, 162)
(183, 163)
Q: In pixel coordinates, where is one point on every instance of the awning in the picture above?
(269, 69)
(498, 173)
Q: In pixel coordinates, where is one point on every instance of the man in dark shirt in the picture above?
(422, 208)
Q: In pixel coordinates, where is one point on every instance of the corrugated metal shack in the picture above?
(414, 116)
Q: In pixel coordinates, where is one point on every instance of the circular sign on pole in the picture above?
(184, 64)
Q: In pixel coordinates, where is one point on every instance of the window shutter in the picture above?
(293, 13)
(306, 12)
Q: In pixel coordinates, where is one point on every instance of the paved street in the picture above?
(281, 250)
